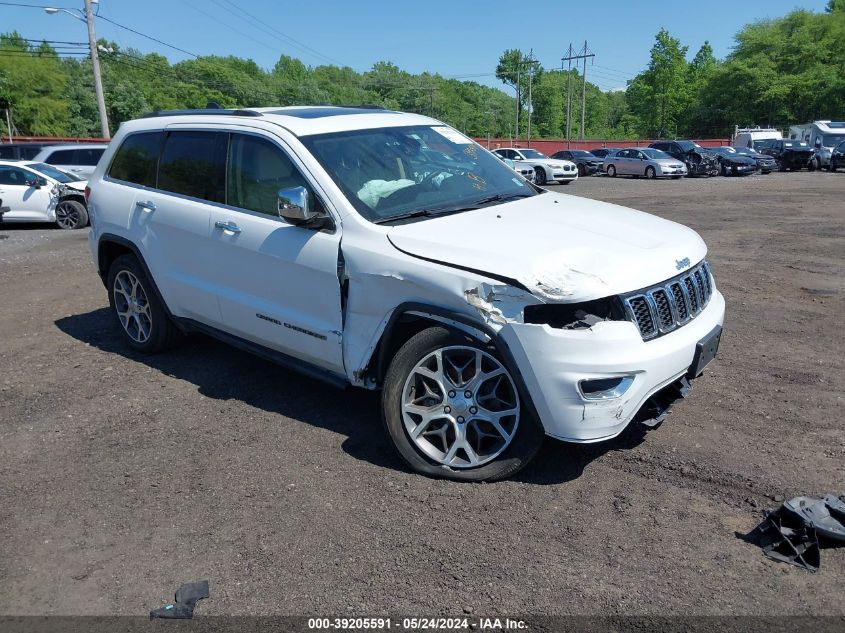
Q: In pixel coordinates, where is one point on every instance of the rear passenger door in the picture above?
(277, 283)
(174, 178)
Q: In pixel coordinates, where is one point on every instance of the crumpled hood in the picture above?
(562, 248)
(78, 185)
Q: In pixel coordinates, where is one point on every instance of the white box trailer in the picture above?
(755, 137)
(822, 136)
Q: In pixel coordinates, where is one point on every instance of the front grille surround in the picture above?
(663, 308)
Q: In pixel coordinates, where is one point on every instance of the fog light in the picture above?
(604, 388)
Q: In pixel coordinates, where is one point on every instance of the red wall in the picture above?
(550, 146)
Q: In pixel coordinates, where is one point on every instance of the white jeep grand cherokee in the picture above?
(388, 251)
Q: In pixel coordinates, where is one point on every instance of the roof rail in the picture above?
(205, 111)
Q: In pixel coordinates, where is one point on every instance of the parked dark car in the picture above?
(699, 161)
(587, 163)
(791, 155)
(766, 164)
(21, 151)
(837, 157)
(604, 152)
(733, 163)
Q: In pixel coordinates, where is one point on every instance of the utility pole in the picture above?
(584, 54)
(530, 81)
(95, 63)
(568, 90)
(9, 124)
(518, 64)
(87, 16)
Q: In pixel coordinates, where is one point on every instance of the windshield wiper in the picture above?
(430, 213)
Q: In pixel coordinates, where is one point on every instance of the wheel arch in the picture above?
(110, 247)
(411, 318)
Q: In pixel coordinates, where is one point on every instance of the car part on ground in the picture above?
(184, 603)
(333, 241)
(797, 531)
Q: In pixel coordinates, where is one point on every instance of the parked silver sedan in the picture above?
(644, 161)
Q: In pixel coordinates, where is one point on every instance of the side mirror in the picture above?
(34, 183)
(295, 206)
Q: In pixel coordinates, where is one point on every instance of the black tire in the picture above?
(676, 177)
(811, 165)
(581, 171)
(526, 439)
(162, 333)
(71, 214)
(832, 167)
(539, 176)
(724, 170)
(611, 171)
(650, 172)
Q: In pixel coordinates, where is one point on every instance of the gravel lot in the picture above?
(123, 476)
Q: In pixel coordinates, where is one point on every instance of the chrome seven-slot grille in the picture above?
(666, 307)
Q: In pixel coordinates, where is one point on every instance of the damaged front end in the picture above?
(702, 163)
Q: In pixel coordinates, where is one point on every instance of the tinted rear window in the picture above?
(88, 156)
(137, 159)
(194, 164)
(61, 157)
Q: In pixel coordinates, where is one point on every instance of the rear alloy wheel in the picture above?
(650, 172)
(611, 171)
(539, 176)
(71, 214)
(141, 316)
(453, 410)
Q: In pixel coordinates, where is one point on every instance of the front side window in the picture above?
(136, 160)
(194, 164)
(15, 176)
(257, 170)
(393, 173)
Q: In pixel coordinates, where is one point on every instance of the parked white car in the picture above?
(545, 169)
(523, 169)
(77, 158)
(37, 192)
(388, 251)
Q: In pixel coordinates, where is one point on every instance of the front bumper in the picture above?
(561, 175)
(673, 171)
(742, 169)
(553, 361)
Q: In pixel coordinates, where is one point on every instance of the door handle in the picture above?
(228, 227)
(77, 169)
(147, 205)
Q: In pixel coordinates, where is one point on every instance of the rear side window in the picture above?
(88, 156)
(7, 152)
(194, 164)
(137, 159)
(28, 153)
(61, 157)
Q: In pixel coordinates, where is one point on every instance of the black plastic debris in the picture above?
(185, 600)
(796, 532)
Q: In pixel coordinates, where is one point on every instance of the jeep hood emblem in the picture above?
(680, 264)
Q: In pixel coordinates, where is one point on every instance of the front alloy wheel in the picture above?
(71, 214)
(460, 407)
(452, 409)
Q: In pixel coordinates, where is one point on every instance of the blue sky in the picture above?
(454, 38)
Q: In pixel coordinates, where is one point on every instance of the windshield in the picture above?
(654, 153)
(52, 172)
(576, 153)
(763, 143)
(532, 153)
(725, 151)
(832, 140)
(391, 172)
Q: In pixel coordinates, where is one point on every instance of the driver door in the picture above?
(26, 194)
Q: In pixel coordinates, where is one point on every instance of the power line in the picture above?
(149, 37)
(281, 34)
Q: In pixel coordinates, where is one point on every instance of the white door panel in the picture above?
(278, 285)
(25, 202)
(178, 252)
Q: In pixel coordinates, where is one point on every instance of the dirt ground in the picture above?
(123, 476)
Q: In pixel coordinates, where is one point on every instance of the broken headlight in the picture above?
(575, 316)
